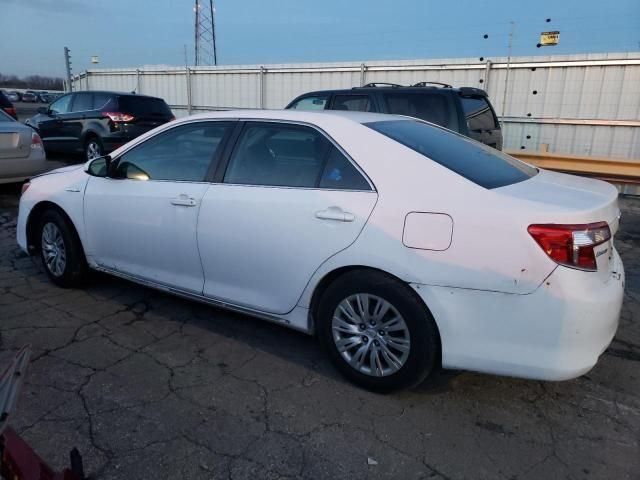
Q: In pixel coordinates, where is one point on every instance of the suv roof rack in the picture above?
(380, 84)
(426, 84)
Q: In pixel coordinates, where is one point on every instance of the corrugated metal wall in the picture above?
(576, 104)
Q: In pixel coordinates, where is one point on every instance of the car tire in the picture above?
(61, 251)
(413, 341)
(93, 148)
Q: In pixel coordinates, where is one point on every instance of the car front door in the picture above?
(141, 220)
(287, 201)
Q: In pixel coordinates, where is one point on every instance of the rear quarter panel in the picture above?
(490, 247)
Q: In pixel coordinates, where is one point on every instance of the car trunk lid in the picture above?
(148, 112)
(15, 140)
(556, 198)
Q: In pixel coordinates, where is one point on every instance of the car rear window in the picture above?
(478, 114)
(483, 165)
(432, 107)
(144, 106)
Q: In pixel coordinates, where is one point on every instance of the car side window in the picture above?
(277, 154)
(315, 102)
(82, 102)
(358, 103)
(61, 105)
(478, 114)
(100, 100)
(183, 153)
(340, 174)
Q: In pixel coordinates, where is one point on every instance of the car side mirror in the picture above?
(43, 110)
(99, 167)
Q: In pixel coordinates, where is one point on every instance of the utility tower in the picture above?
(205, 31)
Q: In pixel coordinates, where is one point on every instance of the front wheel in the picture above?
(377, 332)
(61, 251)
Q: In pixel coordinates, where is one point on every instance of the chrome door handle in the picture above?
(184, 201)
(335, 213)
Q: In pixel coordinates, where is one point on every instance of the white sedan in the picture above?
(401, 245)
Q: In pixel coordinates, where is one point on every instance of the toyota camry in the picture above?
(403, 246)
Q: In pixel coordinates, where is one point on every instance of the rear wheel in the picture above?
(93, 148)
(61, 251)
(378, 334)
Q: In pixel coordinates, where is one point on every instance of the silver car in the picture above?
(21, 151)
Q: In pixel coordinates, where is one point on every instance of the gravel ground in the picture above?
(149, 386)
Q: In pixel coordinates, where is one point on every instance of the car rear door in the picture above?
(74, 122)
(287, 201)
(141, 221)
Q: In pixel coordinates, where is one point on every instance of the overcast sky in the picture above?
(136, 32)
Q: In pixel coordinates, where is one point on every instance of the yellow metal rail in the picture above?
(628, 170)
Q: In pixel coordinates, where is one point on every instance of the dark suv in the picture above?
(465, 110)
(96, 122)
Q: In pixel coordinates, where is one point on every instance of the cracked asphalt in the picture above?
(149, 386)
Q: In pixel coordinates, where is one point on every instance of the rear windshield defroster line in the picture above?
(483, 165)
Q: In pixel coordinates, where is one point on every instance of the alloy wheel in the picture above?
(93, 150)
(53, 249)
(371, 335)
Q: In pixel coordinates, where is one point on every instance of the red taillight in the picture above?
(25, 187)
(118, 117)
(571, 245)
(11, 111)
(36, 141)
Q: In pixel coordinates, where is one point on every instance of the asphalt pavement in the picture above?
(149, 386)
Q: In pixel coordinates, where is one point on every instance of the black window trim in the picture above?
(214, 162)
(221, 171)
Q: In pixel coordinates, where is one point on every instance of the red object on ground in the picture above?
(20, 462)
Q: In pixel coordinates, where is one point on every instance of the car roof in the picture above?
(305, 116)
(384, 88)
(120, 94)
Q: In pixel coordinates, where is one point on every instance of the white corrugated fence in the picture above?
(576, 104)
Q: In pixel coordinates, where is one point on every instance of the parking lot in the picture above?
(151, 386)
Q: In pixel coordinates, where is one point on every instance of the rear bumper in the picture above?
(555, 333)
(19, 169)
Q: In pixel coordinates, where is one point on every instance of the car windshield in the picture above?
(483, 165)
